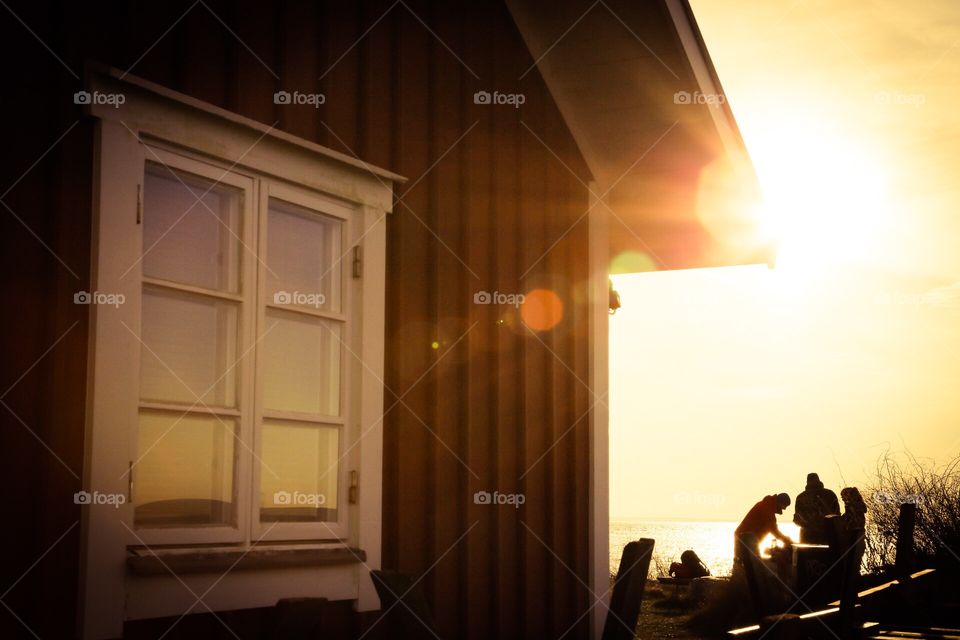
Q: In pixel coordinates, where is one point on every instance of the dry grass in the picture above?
(936, 491)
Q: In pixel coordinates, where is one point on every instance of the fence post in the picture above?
(624, 611)
(905, 527)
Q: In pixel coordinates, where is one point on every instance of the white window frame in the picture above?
(167, 161)
(186, 130)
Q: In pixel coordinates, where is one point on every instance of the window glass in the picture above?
(184, 470)
(191, 229)
(298, 475)
(303, 257)
(189, 348)
(301, 363)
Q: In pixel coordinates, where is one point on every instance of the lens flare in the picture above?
(542, 310)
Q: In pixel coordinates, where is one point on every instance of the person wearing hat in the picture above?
(761, 520)
(813, 506)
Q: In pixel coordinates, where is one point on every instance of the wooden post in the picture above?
(746, 546)
(849, 583)
(905, 527)
(628, 588)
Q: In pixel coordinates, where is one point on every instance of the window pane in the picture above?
(298, 472)
(186, 240)
(184, 473)
(189, 348)
(301, 363)
(303, 256)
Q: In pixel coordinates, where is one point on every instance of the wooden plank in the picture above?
(251, 84)
(906, 523)
(203, 55)
(299, 67)
(408, 304)
(341, 73)
(478, 155)
(377, 84)
(627, 597)
(536, 410)
(562, 455)
(448, 318)
(506, 271)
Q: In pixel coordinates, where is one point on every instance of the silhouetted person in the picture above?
(854, 518)
(690, 566)
(814, 504)
(762, 520)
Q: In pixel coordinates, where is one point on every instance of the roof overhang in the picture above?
(636, 86)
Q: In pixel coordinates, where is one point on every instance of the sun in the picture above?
(826, 196)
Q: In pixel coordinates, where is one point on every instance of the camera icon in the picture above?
(482, 97)
(82, 97)
(882, 497)
(282, 497)
(482, 497)
(82, 497)
(282, 97)
(482, 297)
(682, 97)
(81, 297)
(282, 297)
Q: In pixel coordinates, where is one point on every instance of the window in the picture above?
(235, 396)
(244, 330)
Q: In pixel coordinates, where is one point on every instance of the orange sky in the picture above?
(727, 384)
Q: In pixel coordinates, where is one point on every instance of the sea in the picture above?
(712, 541)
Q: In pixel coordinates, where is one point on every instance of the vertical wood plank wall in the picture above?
(476, 402)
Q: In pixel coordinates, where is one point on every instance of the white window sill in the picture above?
(147, 562)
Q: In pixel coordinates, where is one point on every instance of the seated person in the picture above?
(690, 566)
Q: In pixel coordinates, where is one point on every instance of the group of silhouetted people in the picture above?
(817, 513)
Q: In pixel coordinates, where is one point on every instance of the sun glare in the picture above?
(825, 197)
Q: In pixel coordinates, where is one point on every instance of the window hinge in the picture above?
(139, 203)
(354, 489)
(357, 262)
(129, 481)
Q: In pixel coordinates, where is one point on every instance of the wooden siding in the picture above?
(494, 407)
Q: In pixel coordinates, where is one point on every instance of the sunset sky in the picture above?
(728, 384)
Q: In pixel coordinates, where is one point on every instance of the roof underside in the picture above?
(677, 180)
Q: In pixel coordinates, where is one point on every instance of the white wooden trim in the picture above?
(338, 529)
(104, 538)
(154, 111)
(720, 113)
(372, 312)
(94, 70)
(161, 596)
(246, 266)
(599, 536)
